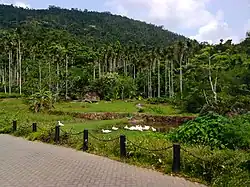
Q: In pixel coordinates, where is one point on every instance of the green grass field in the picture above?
(116, 106)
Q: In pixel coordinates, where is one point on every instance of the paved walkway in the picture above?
(32, 164)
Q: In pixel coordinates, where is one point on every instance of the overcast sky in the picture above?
(204, 20)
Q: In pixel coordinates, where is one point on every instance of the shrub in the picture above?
(6, 130)
(217, 167)
(41, 101)
(215, 131)
(113, 86)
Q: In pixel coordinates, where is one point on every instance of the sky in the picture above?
(203, 20)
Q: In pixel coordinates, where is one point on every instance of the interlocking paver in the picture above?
(33, 164)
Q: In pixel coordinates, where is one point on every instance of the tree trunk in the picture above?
(20, 68)
(94, 71)
(4, 79)
(166, 78)
(100, 70)
(50, 73)
(213, 86)
(172, 79)
(114, 64)
(66, 70)
(134, 72)
(181, 83)
(111, 63)
(154, 64)
(40, 76)
(159, 79)
(58, 73)
(10, 72)
(169, 80)
(150, 82)
(16, 74)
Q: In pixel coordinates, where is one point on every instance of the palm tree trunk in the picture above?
(172, 79)
(159, 79)
(50, 73)
(150, 81)
(10, 72)
(58, 73)
(20, 68)
(100, 70)
(94, 71)
(134, 72)
(166, 78)
(5, 90)
(169, 80)
(181, 83)
(66, 70)
(15, 74)
(40, 75)
(114, 64)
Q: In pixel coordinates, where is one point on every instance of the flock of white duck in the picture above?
(132, 128)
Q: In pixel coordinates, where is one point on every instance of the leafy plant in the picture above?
(41, 101)
(215, 131)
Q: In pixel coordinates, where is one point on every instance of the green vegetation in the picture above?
(41, 101)
(91, 52)
(215, 131)
(226, 165)
(93, 28)
(117, 106)
(64, 55)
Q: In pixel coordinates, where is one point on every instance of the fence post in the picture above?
(34, 127)
(57, 133)
(176, 158)
(123, 146)
(85, 140)
(14, 126)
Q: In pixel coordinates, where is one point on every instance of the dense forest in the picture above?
(72, 52)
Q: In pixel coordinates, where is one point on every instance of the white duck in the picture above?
(139, 128)
(146, 128)
(114, 128)
(133, 128)
(153, 129)
(106, 131)
(60, 124)
(126, 127)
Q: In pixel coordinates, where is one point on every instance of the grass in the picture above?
(93, 125)
(117, 106)
(220, 168)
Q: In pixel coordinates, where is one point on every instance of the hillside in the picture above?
(90, 26)
(71, 53)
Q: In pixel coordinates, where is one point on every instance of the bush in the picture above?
(113, 86)
(6, 130)
(193, 103)
(217, 167)
(215, 131)
(41, 101)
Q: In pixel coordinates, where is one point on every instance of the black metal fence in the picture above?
(123, 143)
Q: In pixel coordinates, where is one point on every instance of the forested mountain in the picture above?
(89, 26)
(69, 53)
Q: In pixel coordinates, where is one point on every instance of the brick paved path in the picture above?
(32, 164)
